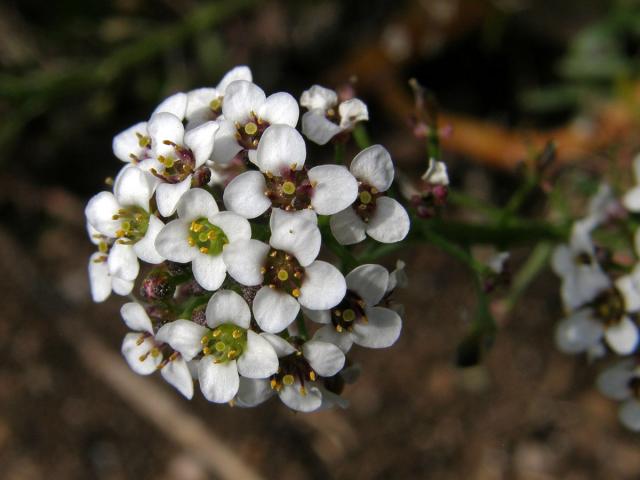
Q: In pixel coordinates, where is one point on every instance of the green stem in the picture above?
(302, 327)
(338, 153)
(537, 261)
(361, 136)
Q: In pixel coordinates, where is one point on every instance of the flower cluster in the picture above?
(218, 200)
(600, 291)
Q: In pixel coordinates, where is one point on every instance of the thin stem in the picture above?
(302, 327)
(361, 136)
(536, 262)
(338, 153)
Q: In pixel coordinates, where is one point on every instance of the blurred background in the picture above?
(508, 74)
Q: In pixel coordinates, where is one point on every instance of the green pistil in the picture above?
(207, 237)
(133, 226)
(225, 342)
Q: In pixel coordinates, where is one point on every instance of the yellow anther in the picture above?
(232, 354)
(274, 384)
(206, 350)
(296, 292)
(289, 188)
(337, 313)
(115, 217)
(215, 104)
(339, 329)
(103, 247)
(143, 357)
(312, 376)
(196, 227)
(283, 275)
(191, 242)
(108, 181)
(212, 235)
(140, 339)
(250, 128)
(288, 379)
(365, 197)
(331, 112)
(303, 391)
(217, 333)
(155, 352)
(273, 254)
(364, 319)
(349, 315)
(236, 334)
(204, 250)
(220, 346)
(297, 274)
(204, 340)
(263, 270)
(287, 257)
(374, 190)
(120, 233)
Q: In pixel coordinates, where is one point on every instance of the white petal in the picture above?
(295, 234)
(168, 195)
(347, 227)
(241, 72)
(127, 143)
(133, 352)
(136, 318)
(436, 173)
(582, 285)
(318, 97)
(123, 262)
(629, 415)
(274, 310)
(318, 128)
(225, 145)
(294, 399)
(240, 99)
(578, 332)
(197, 203)
(614, 382)
(335, 188)
(200, 141)
(253, 392)
(100, 211)
(145, 248)
(121, 286)
(390, 221)
(172, 242)
(259, 360)
(234, 226)
(99, 278)
(629, 287)
(369, 281)
(323, 286)
(330, 400)
(209, 270)
(280, 148)
(134, 186)
(381, 331)
(244, 259)
(631, 200)
(245, 195)
(318, 316)
(325, 358)
(226, 306)
(165, 129)
(623, 337)
(176, 104)
(219, 382)
(343, 340)
(183, 336)
(352, 111)
(177, 374)
(374, 166)
(279, 108)
(279, 344)
(198, 106)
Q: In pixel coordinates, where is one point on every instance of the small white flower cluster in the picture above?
(230, 291)
(601, 298)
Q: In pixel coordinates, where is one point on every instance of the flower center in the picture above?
(365, 204)
(293, 367)
(134, 222)
(215, 106)
(609, 306)
(177, 166)
(282, 271)
(347, 312)
(207, 237)
(249, 134)
(225, 342)
(290, 191)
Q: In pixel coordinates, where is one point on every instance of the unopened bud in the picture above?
(157, 285)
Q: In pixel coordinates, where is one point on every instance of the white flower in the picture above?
(576, 264)
(325, 118)
(175, 156)
(200, 234)
(357, 318)
(228, 347)
(379, 216)
(204, 104)
(124, 215)
(134, 143)
(287, 268)
(622, 383)
(143, 351)
(284, 182)
(436, 173)
(115, 270)
(298, 379)
(631, 199)
(246, 113)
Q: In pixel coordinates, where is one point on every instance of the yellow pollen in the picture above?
(140, 340)
(263, 270)
(337, 313)
(365, 319)
(374, 190)
(217, 333)
(250, 128)
(204, 340)
(206, 350)
(212, 235)
(232, 354)
(108, 181)
(103, 247)
(168, 162)
(293, 166)
(120, 233)
(287, 257)
(191, 241)
(349, 315)
(303, 391)
(365, 197)
(288, 379)
(339, 329)
(215, 104)
(289, 188)
(143, 357)
(273, 383)
(295, 292)
(236, 334)
(204, 250)
(220, 346)
(283, 275)
(297, 274)
(312, 376)
(155, 352)
(273, 254)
